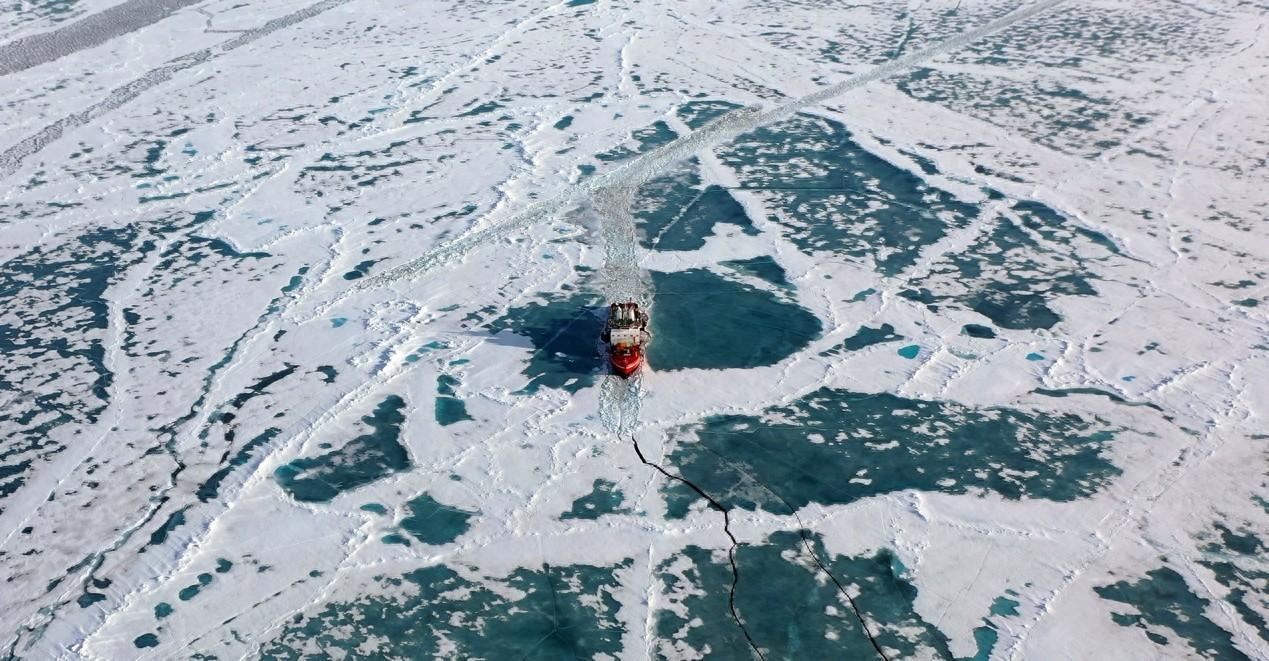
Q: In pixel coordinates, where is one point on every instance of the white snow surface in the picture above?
(274, 115)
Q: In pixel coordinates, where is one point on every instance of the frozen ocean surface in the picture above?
(960, 314)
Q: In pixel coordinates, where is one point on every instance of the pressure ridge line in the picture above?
(606, 191)
(11, 159)
(650, 164)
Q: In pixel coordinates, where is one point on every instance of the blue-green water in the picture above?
(217, 247)
(703, 320)
(295, 281)
(567, 612)
(564, 331)
(210, 488)
(328, 373)
(191, 591)
(979, 331)
(360, 270)
(863, 338)
(481, 109)
(699, 113)
(89, 598)
(174, 520)
(987, 635)
(261, 385)
(395, 538)
(832, 195)
(1067, 392)
(863, 295)
(604, 498)
(645, 139)
(1236, 558)
(1052, 111)
(835, 447)
(1012, 273)
(360, 461)
(1004, 606)
(55, 11)
(55, 297)
(1168, 613)
(449, 409)
(425, 349)
(763, 267)
(677, 212)
(789, 607)
(433, 522)
(1243, 542)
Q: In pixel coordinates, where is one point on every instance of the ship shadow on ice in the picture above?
(562, 331)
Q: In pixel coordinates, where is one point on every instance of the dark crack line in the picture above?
(859, 615)
(802, 528)
(810, 548)
(731, 552)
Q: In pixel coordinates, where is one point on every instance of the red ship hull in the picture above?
(625, 361)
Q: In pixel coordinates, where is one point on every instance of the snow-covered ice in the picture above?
(959, 313)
